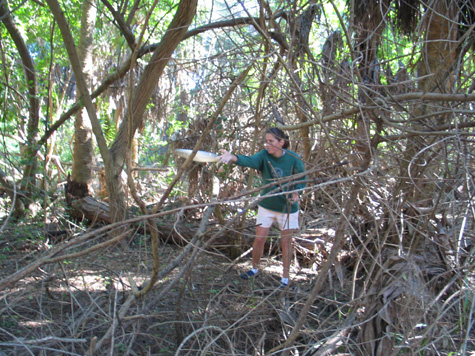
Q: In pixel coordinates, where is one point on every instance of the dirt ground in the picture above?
(199, 307)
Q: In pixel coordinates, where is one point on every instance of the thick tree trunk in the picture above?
(83, 154)
(141, 97)
(420, 172)
(299, 31)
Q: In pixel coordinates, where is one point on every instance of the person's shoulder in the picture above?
(258, 156)
(262, 152)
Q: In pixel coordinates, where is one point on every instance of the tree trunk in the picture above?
(83, 154)
(115, 158)
(33, 121)
(141, 97)
(419, 171)
(392, 307)
(299, 31)
(86, 99)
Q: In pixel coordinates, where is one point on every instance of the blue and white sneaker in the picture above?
(282, 285)
(248, 275)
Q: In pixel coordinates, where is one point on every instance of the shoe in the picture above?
(248, 275)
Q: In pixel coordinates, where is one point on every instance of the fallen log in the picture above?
(90, 209)
(172, 228)
(179, 228)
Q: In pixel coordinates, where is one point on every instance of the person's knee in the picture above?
(260, 240)
(287, 235)
(262, 232)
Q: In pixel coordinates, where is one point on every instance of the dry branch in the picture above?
(396, 99)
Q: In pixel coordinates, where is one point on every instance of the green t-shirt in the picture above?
(272, 168)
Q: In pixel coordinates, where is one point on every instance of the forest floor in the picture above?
(67, 306)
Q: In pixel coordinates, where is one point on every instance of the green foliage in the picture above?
(63, 149)
(121, 348)
(9, 322)
(106, 117)
(7, 143)
(4, 253)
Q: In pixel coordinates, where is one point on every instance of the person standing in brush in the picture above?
(274, 163)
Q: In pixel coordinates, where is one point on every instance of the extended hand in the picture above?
(227, 157)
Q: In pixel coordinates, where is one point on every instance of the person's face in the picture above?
(274, 145)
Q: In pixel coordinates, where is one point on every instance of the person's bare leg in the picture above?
(286, 247)
(258, 245)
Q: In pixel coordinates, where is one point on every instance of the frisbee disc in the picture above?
(201, 156)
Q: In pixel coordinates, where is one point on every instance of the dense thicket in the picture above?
(377, 97)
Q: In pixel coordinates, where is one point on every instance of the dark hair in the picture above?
(280, 135)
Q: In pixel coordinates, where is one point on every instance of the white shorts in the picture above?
(266, 218)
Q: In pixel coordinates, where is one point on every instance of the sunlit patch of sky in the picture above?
(211, 11)
(219, 10)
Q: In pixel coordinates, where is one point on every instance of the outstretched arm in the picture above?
(227, 157)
